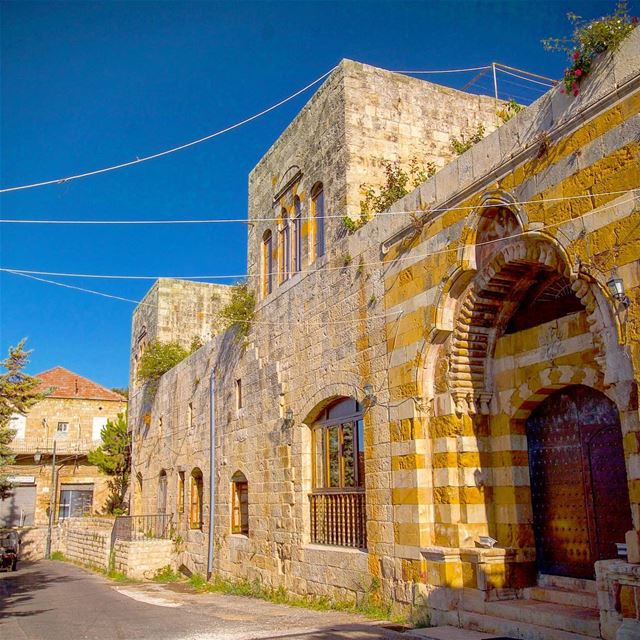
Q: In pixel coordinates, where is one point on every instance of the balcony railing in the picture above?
(147, 527)
(66, 446)
(339, 519)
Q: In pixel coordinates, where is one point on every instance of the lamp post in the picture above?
(52, 492)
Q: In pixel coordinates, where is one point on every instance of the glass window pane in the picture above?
(360, 452)
(348, 455)
(334, 456)
(319, 215)
(319, 458)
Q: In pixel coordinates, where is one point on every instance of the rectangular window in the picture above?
(319, 461)
(318, 212)
(195, 507)
(99, 424)
(334, 456)
(267, 263)
(18, 423)
(190, 415)
(239, 508)
(297, 237)
(180, 496)
(63, 428)
(75, 500)
(239, 394)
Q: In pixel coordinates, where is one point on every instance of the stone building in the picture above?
(442, 405)
(71, 416)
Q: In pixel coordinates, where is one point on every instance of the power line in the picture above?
(515, 75)
(30, 274)
(153, 156)
(251, 220)
(239, 320)
(436, 72)
(166, 152)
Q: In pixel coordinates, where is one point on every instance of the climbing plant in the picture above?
(398, 183)
(466, 140)
(588, 39)
(238, 313)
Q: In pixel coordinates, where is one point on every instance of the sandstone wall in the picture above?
(443, 440)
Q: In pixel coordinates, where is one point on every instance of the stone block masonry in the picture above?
(444, 335)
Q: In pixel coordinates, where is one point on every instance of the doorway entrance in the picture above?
(579, 490)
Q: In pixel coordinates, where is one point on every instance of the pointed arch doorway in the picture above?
(579, 490)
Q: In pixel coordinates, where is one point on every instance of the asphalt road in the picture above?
(59, 601)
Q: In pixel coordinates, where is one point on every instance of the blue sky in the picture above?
(89, 84)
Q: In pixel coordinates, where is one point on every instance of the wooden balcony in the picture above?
(339, 518)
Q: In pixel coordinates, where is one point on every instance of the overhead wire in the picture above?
(275, 219)
(138, 160)
(166, 152)
(412, 257)
(548, 85)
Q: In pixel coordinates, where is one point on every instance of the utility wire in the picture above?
(166, 152)
(173, 149)
(515, 75)
(326, 217)
(412, 257)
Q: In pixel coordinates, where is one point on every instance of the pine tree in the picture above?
(18, 393)
(113, 457)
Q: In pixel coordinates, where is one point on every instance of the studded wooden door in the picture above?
(579, 488)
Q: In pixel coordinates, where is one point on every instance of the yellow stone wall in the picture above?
(445, 446)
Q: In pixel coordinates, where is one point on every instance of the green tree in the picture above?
(18, 393)
(113, 457)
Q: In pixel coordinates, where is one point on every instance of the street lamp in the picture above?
(616, 288)
(288, 418)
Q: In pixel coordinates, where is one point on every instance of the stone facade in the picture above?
(84, 415)
(458, 314)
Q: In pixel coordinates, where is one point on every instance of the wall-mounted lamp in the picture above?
(37, 457)
(369, 394)
(616, 288)
(288, 418)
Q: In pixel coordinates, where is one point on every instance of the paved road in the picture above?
(59, 601)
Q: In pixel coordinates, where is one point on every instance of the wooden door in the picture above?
(579, 488)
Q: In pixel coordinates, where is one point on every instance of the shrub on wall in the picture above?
(158, 358)
(238, 313)
(590, 38)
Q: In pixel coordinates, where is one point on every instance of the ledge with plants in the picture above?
(589, 39)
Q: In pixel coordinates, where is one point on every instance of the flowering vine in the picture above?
(589, 39)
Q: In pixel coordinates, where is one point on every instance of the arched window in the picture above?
(296, 254)
(195, 502)
(239, 504)
(180, 493)
(162, 492)
(267, 263)
(285, 247)
(338, 500)
(317, 208)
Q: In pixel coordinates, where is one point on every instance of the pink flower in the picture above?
(562, 91)
(576, 55)
(574, 86)
(577, 73)
(576, 92)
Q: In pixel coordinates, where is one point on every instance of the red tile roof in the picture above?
(66, 384)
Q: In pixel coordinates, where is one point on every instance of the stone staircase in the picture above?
(556, 609)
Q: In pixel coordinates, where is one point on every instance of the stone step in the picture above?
(563, 596)
(570, 584)
(514, 629)
(559, 617)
